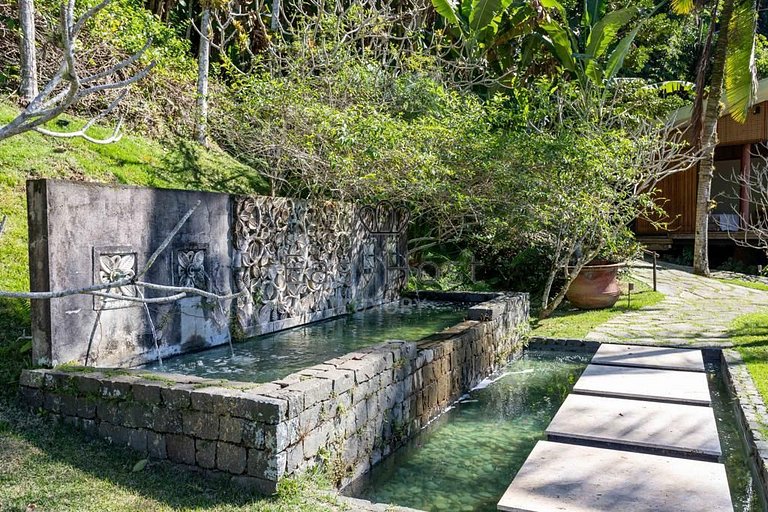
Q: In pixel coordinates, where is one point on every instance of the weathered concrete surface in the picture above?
(572, 478)
(689, 430)
(81, 233)
(644, 383)
(650, 357)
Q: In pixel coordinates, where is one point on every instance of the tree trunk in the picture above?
(28, 88)
(203, 61)
(275, 25)
(695, 127)
(709, 141)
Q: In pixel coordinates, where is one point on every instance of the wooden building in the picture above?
(738, 143)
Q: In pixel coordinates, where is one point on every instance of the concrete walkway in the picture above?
(605, 452)
(696, 311)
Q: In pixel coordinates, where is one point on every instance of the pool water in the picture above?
(273, 356)
(466, 459)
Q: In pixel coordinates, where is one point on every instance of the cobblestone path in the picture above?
(696, 311)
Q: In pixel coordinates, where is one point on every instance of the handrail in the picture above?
(655, 256)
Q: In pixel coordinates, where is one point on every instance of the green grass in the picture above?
(59, 469)
(575, 323)
(746, 284)
(749, 334)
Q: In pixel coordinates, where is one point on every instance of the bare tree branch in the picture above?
(66, 87)
(754, 233)
(164, 245)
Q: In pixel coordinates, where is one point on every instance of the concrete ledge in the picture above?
(681, 430)
(567, 477)
(644, 383)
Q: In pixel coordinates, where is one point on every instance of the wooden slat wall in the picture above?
(755, 129)
(678, 192)
(677, 196)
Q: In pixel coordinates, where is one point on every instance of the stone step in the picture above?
(650, 357)
(645, 384)
(674, 429)
(573, 478)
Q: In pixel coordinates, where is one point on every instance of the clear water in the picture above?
(466, 459)
(273, 356)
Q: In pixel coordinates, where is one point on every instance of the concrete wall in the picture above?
(347, 413)
(299, 261)
(82, 232)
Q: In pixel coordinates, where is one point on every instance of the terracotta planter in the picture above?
(596, 286)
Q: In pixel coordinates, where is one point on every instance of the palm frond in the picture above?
(604, 32)
(683, 6)
(740, 77)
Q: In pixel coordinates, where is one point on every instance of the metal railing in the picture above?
(655, 256)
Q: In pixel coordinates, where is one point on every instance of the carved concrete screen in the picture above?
(299, 261)
(304, 261)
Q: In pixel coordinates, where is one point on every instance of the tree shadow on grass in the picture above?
(57, 467)
(757, 336)
(189, 166)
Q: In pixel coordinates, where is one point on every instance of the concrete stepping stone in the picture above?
(645, 384)
(573, 478)
(650, 357)
(673, 429)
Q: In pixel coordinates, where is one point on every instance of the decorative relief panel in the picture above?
(113, 264)
(299, 258)
(189, 264)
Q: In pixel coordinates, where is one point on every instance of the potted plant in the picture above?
(596, 285)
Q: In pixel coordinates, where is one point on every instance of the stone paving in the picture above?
(604, 453)
(696, 311)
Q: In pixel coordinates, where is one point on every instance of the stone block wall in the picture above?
(347, 413)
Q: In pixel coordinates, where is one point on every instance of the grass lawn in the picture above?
(746, 284)
(59, 469)
(576, 323)
(750, 335)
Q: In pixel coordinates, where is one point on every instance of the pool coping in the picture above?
(347, 413)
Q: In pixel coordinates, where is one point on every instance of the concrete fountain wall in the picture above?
(300, 261)
(347, 413)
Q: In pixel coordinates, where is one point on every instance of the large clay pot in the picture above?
(596, 286)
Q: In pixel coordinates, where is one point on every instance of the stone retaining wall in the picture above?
(751, 413)
(347, 413)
